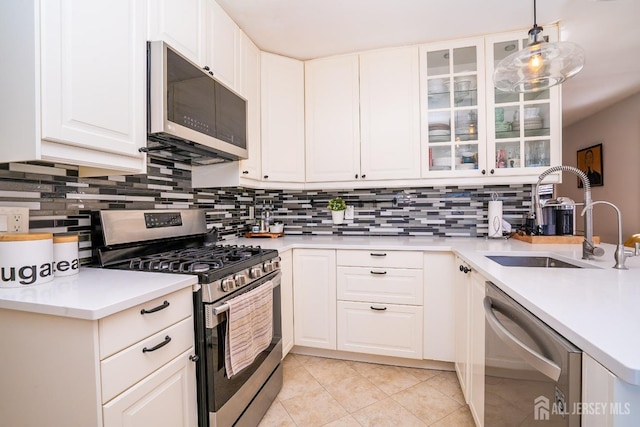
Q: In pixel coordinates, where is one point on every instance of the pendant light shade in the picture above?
(540, 65)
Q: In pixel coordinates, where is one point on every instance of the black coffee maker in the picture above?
(558, 217)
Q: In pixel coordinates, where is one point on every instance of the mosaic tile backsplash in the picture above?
(60, 201)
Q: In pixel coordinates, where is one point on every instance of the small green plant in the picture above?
(337, 204)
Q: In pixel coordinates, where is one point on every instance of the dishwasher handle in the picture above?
(534, 359)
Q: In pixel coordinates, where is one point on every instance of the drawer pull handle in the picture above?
(166, 341)
(378, 272)
(158, 308)
(378, 308)
(374, 254)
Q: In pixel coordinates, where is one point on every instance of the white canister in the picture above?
(26, 259)
(65, 255)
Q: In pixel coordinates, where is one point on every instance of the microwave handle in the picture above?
(534, 359)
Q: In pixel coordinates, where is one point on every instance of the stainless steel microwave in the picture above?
(190, 114)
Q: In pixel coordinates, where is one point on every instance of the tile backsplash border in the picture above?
(60, 201)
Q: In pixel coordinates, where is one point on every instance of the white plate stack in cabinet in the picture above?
(380, 302)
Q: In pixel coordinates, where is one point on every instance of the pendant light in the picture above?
(539, 65)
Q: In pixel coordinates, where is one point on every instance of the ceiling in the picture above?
(607, 30)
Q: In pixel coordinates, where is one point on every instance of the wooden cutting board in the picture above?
(567, 240)
(267, 234)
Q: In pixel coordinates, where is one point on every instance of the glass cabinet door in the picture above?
(452, 103)
(523, 129)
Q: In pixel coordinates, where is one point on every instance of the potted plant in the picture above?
(337, 207)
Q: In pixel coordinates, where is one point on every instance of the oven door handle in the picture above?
(225, 307)
(534, 359)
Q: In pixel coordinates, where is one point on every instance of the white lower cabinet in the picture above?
(115, 381)
(314, 298)
(607, 401)
(380, 297)
(286, 297)
(462, 293)
(476, 400)
(469, 337)
(384, 329)
(165, 397)
(439, 307)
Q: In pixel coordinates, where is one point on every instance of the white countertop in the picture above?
(597, 309)
(93, 293)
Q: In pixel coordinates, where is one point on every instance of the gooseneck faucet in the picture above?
(589, 250)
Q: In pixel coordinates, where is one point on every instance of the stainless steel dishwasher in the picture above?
(532, 374)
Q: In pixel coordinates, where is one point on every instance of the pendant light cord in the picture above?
(535, 23)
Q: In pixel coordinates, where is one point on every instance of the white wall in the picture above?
(618, 129)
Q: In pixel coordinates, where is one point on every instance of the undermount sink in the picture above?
(541, 261)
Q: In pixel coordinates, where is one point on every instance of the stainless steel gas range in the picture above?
(177, 241)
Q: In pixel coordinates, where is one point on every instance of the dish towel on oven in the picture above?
(249, 327)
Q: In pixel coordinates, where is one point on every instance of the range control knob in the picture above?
(241, 280)
(255, 272)
(276, 262)
(227, 284)
(267, 267)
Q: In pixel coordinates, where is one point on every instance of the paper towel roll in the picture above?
(495, 218)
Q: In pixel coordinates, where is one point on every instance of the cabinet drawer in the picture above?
(384, 329)
(127, 327)
(383, 285)
(398, 259)
(124, 369)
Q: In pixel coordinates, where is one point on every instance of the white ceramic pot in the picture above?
(337, 217)
(25, 259)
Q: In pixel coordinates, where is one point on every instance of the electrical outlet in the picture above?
(14, 219)
(348, 214)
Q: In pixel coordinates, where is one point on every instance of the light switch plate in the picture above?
(348, 214)
(14, 219)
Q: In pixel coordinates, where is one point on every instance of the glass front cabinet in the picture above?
(452, 108)
(523, 130)
(471, 129)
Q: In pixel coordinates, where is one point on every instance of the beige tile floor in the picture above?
(329, 392)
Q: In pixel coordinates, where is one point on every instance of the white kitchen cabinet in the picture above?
(390, 114)
(180, 23)
(79, 94)
(607, 401)
(332, 119)
(452, 87)
(439, 306)
(380, 302)
(249, 87)
(286, 296)
(524, 131)
(282, 112)
(114, 382)
(166, 397)
(476, 348)
(222, 44)
(462, 283)
(314, 298)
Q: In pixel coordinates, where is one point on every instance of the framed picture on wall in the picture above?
(590, 162)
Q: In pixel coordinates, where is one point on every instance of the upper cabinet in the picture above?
(282, 99)
(222, 44)
(180, 24)
(362, 116)
(390, 114)
(523, 130)
(249, 87)
(332, 119)
(79, 94)
(471, 129)
(200, 30)
(453, 114)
